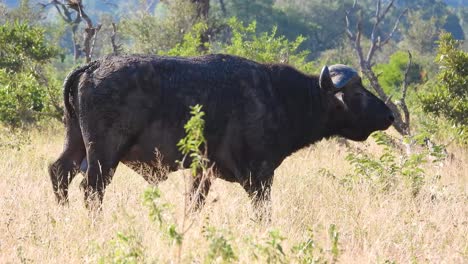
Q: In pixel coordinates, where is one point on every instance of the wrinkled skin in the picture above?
(132, 109)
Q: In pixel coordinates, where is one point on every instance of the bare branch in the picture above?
(386, 10)
(376, 41)
(348, 30)
(115, 47)
(377, 21)
(385, 41)
(403, 105)
(366, 62)
(96, 31)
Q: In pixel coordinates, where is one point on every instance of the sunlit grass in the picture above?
(373, 227)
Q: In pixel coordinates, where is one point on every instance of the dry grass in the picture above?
(373, 227)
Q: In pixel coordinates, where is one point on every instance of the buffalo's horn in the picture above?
(342, 74)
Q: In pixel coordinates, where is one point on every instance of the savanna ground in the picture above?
(368, 226)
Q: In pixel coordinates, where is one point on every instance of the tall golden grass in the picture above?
(373, 227)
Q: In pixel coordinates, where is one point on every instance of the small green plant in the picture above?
(220, 250)
(124, 249)
(271, 250)
(159, 212)
(157, 209)
(385, 171)
(334, 237)
(194, 140)
(308, 252)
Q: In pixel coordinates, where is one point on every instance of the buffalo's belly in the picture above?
(157, 144)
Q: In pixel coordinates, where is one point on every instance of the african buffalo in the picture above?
(132, 108)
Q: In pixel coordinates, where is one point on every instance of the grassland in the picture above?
(371, 226)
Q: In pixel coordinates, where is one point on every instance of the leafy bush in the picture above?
(192, 143)
(23, 83)
(391, 75)
(23, 46)
(385, 172)
(190, 46)
(267, 47)
(448, 97)
(153, 33)
(125, 248)
(219, 248)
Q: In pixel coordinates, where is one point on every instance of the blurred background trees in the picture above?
(42, 40)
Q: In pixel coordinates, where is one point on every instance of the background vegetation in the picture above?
(399, 197)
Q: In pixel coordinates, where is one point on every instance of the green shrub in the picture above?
(219, 250)
(125, 248)
(385, 172)
(194, 140)
(24, 85)
(391, 75)
(190, 45)
(267, 47)
(448, 96)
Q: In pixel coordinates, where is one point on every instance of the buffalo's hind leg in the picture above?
(105, 147)
(64, 169)
(98, 175)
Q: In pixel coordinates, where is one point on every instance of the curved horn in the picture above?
(325, 80)
(342, 74)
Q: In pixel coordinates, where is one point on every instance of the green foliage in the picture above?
(270, 250)
(384, 172)
(124, 249)
(449, 96)
(190, 46)
(22, 47)
(312, 18)
(151, 199)
(23, 84)
(334, 238)
(219, 250)
(391, 75)
(192, 143)
(422, 33)
(310, 252)
(267, 47)
(153, 33)
(160, 214)
(21, 96)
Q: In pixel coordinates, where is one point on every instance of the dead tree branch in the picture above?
(365, 62)
(116, 48)
(403, 105)
(65, 10)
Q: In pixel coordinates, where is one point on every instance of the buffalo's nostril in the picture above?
(391, 118)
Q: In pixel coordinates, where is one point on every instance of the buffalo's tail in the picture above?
(69, 84)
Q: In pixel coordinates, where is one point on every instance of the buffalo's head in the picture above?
(353, 111)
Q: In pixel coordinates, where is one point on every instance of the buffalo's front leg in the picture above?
(259, 191)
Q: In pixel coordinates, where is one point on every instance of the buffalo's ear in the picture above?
(325, 80)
